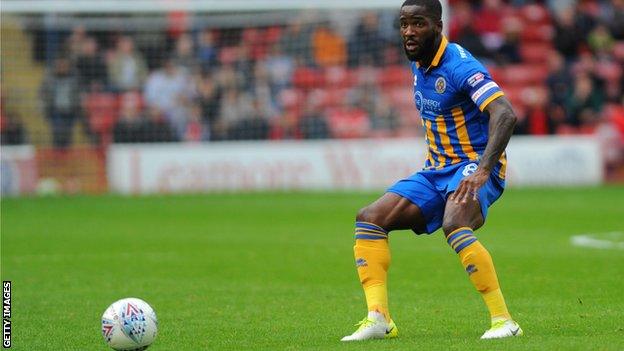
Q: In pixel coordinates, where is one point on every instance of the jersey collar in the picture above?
(438, 56)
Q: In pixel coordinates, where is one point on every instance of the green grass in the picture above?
(276, 272)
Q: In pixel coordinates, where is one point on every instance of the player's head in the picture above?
(420, 22)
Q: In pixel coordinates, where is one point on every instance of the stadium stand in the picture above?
(267, 72)
(307, 75)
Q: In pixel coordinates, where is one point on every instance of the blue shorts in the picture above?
(429, 189)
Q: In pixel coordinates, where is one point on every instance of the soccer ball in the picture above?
(129, 324)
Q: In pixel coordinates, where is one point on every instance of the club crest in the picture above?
(440, 85)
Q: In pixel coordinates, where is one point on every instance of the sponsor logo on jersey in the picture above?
(476, 79)
(360, 262)
(484, 89)
(426, 105)
(440, 85)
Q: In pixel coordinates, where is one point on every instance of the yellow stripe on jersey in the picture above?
(446, 141)
(462, 134)
(433, 147)
(429, 157)
(503, 168)
(490, 99)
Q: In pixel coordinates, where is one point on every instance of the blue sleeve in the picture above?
(473, 79)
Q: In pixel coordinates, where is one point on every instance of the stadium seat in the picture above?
(535, 53)
(401, 97)
(291, 99)
(395, 76)
(273, 34)
(227, 55)
(338, 77)
(307, 78)
(331, 98)
(533, 14)
(540, 33)
(497, 73)
(524, 74)
(349, 123)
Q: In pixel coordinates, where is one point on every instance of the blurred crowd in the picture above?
(560, 63)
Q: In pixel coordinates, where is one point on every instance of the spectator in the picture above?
(263, 91)
(126, 68)
(134, 126)
(170, 90)
(243, 64)
(615, 19)
(296, 42)
(329, 46)
(384, 118)
(586, 18)
(280, 68)
(157, 130)
(509, 51)
(600, 40)
(75, 42)
(11, 129)
(489, 24)
(235, 106)
(130, 127)
(366, 46)
(61, 101)
(566, 35)
(209, 97)
(313, 124)
(584, 103)
(185, 56)
(196, 129)
(535, 120)
(230, 78)
(90, 66)
(349, 121)
(463, 31)
(253, 126)
(559, 84)
(206, 49)
(286, 126)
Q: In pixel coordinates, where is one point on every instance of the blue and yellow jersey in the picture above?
(452, 95)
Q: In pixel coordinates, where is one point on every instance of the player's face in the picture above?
(418, 31)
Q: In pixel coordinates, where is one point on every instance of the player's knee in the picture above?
(450, 224)
(370, 215)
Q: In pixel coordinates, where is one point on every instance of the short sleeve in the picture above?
(473, 79)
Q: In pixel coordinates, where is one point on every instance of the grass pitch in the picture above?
(276, 272)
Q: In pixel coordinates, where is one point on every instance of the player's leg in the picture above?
(372, 252)
(460, 220)
(372, 256)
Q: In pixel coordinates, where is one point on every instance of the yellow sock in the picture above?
(478, 264)
(372, 258)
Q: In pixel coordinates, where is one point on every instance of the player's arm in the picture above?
(502, 123)
(501, 127)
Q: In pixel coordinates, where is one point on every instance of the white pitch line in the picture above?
(605, 241)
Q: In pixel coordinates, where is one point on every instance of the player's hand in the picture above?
(469, 186)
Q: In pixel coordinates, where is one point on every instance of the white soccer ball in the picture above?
(129, 324)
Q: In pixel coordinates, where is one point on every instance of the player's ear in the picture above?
(439, 26)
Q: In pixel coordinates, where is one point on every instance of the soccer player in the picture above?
(468, 123)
